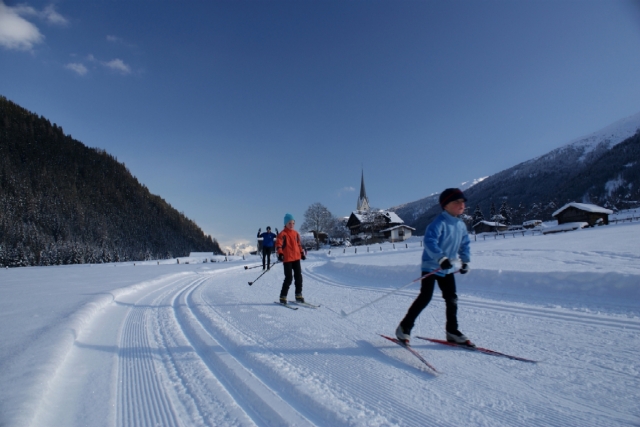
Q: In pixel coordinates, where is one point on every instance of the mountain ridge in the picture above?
(601, 167)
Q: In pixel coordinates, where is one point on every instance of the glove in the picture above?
(303, 256)
(465, 268)
(259, 230)
(445, 264)
(281, 257)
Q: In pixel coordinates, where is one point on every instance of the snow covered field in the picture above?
(194, 345)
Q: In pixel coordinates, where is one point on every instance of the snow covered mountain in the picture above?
(239, 249)
(411, 211)
(600, 168)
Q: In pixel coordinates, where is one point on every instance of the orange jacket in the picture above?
(288, 244)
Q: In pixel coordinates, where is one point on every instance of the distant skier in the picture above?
(445, 239)
(290, 252)
(268, 244)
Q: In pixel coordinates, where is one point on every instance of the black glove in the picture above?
(303, 257)
(465, 268)
(445, 264)
(259, 230)
(281, 257)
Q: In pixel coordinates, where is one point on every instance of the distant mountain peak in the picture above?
(605, 138)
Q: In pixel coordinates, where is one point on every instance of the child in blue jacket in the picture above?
(445, 240)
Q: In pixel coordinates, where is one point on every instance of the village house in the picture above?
(371, 226)
(582, 212)
(488, 227)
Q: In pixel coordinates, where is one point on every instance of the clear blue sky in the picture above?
(237, 112)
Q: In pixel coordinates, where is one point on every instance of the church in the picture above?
(368, 226)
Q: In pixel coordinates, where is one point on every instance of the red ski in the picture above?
(412, 351)
(478, 349)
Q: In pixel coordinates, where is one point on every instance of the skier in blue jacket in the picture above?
(445, 240)
(268, 246)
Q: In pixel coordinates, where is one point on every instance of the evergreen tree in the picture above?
(505, 212)
(62, 202)
(477, 215)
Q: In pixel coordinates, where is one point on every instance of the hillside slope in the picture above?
(62, 202)
(601, 168)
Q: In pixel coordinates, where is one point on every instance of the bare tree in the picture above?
(317, 218)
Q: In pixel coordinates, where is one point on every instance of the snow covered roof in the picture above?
(584, 207)
(492, 224)
(391, 216)
(398, 226)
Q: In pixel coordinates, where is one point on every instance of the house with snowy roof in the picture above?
(582, 212)
(488, 227)
(374, 226)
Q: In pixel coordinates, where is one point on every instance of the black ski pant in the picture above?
(266, 255)
(292, 270)
(447, 285)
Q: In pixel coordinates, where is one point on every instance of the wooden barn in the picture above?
(582, 212)
(488, 227)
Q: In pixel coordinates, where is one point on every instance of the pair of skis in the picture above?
(290, 306)
(450, 344)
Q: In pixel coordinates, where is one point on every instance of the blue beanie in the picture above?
(288, 217)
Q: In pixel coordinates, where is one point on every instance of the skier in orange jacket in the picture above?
(290, 252)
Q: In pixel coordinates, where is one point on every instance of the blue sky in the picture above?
(237, 112)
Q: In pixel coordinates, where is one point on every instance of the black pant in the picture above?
(447, 285)
(266, 254)
(291, 270)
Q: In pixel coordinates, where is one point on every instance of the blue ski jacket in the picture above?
(445, 236)
(268, 239)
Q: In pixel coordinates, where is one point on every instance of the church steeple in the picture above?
(363, 201)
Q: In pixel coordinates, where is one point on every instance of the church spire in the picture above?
(363, 201)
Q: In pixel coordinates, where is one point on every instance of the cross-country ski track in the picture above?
(162, 343)
(201, 348)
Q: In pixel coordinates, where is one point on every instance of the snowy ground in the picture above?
(194, 345)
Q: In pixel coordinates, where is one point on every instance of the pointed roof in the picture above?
(363, 201)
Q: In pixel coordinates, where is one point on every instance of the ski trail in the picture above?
(520, 327)
(260, 402)
(142, 399)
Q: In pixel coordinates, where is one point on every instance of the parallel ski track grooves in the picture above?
(259, 401)
(531, 311)
(342, 384)
(204, 398)
(142, 399)
(538, 403)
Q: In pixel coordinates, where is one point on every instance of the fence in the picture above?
(627, 216)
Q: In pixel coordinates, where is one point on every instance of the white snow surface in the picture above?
(167, 344)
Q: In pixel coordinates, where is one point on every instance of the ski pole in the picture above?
(246, 267)
(251, 283)
(390, 293)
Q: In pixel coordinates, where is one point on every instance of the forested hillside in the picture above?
(62, 202)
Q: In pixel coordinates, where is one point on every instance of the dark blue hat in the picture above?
(449, 195)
